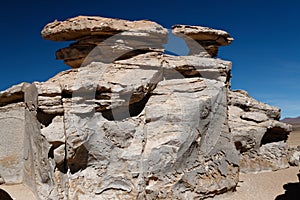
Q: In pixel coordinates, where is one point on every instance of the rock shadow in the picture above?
(292, 191)
(4, 195)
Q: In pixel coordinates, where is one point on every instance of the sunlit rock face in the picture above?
(130, 122)
(257, 133)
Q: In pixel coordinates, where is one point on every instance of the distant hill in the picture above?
(294, 121)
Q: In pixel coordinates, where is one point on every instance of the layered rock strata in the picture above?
(257, 133)
(104, 39)
(141, 126)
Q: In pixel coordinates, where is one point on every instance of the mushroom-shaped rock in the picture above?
(104, 39)
(202, 41)
(82, 26)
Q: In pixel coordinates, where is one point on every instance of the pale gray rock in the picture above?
(255, 117)
(132, 157)
(54, 132)
(59, 155)
(141, 126)
(201, 33)
(294, 156)
(2, 181)
(191, 114)
(241, 99)
(269, 157)
(13, 94)
(257, 133)
(184, 66)
(202, 41)
(12, 119)
(24, 152)
(50, 104)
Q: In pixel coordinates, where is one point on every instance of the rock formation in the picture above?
(257, 133)
(202, 41)
(93, 36)
(130, 122)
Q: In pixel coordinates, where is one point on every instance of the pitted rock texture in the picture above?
(144, 126)
(257, 133)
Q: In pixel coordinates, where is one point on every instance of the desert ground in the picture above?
(294, 137)
(279, 185)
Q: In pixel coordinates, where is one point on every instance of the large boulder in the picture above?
(257, 133)
(130, 122)
(136, 126)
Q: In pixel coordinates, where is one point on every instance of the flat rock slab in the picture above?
(201, 33)
(81, 26)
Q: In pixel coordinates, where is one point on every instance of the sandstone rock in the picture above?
(136, 124)
(103, 39)
(50, 105)
(11, 158)
(24, 153)
(81, 26)
(14, 94)
(294, 156)
(144, 159)
(257, 134)
(54, 132)
(241, 99)
(186, 66)
(113, 48)
(2, 181)
(255, 117)
(202, 41)
(102, 117)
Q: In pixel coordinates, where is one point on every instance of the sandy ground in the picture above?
(18, 192)
(280, 185)
(294, 139)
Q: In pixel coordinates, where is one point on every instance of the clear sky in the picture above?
(265, 53)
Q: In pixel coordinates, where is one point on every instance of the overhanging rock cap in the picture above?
(200, 33)
(81, 26)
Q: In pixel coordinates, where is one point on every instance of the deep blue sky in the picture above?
(265, 53)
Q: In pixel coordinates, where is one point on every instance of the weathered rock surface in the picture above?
(257, 133)
(14, 94)
(294, 156)
(24, 152)
(104, 39)
(78, 27)
(146, 126)
(202, 41)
